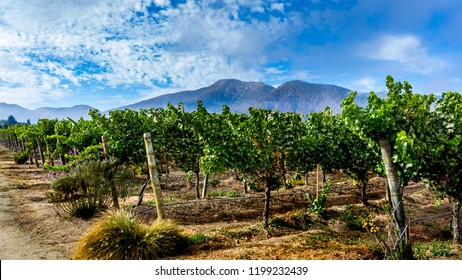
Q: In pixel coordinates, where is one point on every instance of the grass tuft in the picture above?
(118, 236)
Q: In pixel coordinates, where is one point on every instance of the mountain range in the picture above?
(22, 114)
(294, 96)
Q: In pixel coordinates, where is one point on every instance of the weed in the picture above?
(200, 238)
(354, 217)
(214, 182)
(317, 205)
(432, 250)
(221, 193)
(21, 157)
(298, 220)
(232, 193)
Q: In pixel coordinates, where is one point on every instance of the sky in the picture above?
(109, 53)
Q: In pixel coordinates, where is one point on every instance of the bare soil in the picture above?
(228, 221)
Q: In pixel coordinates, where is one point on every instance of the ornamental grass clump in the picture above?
(119, 236)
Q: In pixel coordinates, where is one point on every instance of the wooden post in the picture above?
(105, 146)
(318, 166)
(196, 185)
(204, 187)
(456, 225)
(155, 183)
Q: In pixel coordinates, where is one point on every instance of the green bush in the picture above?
(21, 157)
(91, 187)
(67, 187)
(121, 237)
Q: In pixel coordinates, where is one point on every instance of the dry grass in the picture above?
(118, 236)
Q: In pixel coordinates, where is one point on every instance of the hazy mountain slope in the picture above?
(22, 114)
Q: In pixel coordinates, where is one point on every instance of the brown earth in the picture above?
(229, 226)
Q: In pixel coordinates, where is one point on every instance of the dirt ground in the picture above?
(33, 229)
(30, 227)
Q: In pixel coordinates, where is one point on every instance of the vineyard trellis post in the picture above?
(204, 187)
(318, 167)
(155, 183)
(105, 146)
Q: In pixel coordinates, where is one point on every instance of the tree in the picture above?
(382, 120)
(269, 139)
(223, 149)
(46, 128)
(11, 121)
(437, 147)
(357, 156)
(184, 145)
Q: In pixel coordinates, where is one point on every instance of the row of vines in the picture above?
(405, 137)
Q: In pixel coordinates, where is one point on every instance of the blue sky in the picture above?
(109, 53)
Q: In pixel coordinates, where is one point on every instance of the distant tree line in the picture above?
(11, 121)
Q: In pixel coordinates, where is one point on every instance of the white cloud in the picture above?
(29, 97)
(162, 3)
(365, 84)
(407, 50)
(55, 45)
(257, 9)
(277, 7)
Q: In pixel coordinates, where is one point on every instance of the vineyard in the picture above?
(367, 181)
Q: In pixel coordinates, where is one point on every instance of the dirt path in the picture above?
(30, 228)
(14, 242)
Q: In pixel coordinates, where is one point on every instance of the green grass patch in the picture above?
(432, 250)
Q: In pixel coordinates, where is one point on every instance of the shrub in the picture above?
(67, 187)
(21, 157)
(91, 187)
(121, 237)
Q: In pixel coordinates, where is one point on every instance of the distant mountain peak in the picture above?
(296, 96)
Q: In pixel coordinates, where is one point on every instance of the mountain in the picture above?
(236, 94)
(294, 96)
(22, 114)
(303, 97)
